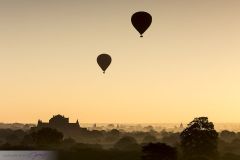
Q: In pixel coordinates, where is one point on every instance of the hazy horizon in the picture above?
(72, 120)
(172, 127)
(185, 66)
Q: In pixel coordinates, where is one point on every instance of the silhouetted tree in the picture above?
(199, 139)
(46, 136)
(127, 143)
(171, 138)
(112, 136)
(159, 151)
(114, 132)
(149, 139)
(227, 135)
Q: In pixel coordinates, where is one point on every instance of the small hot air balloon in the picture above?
(141, 21)
(104, 60)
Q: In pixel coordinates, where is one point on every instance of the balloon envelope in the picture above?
(141, 21)
(104, 60)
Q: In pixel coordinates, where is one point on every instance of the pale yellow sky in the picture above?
(187, 64)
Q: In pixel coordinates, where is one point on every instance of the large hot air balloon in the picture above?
(104, 60)
(141, 21)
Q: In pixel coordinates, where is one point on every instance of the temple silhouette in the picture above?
(62, 124)
(59, 122)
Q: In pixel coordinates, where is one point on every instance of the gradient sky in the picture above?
(187, 64)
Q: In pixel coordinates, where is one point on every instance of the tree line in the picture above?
(198, 141)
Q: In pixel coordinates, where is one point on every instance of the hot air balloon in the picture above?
(104, 60)
(141, 21)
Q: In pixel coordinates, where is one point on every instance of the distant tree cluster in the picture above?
(198, 141)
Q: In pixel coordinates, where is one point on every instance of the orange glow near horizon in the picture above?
(186, 65)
